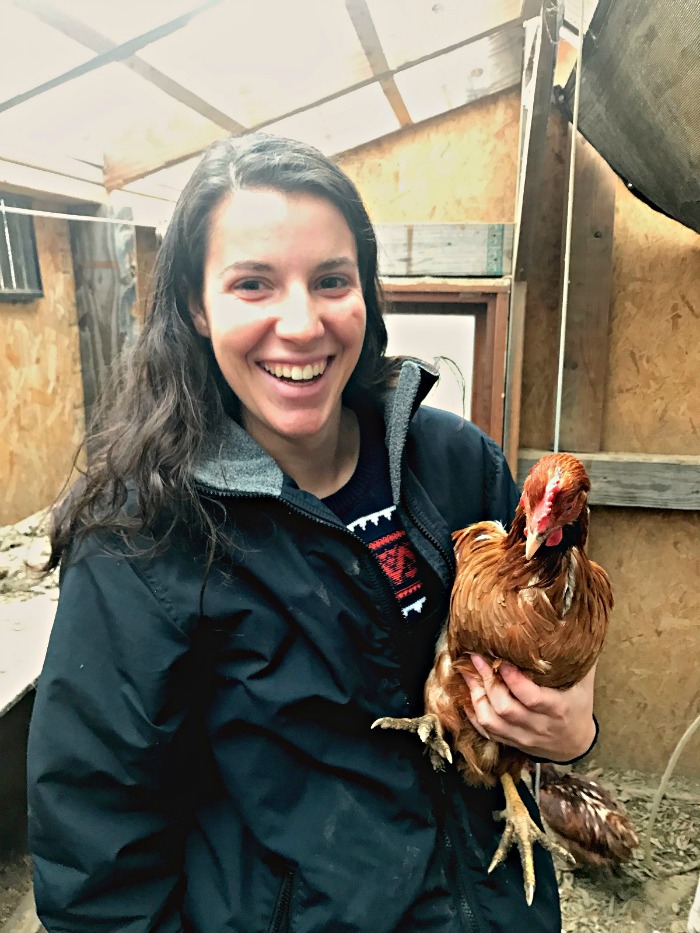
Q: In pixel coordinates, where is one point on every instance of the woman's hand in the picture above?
(545, 723)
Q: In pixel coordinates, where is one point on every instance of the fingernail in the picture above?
(478, 661)
(506, 666)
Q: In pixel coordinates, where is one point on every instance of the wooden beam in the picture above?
(96, 42)
(445, 249)
(117, 53)
(514, 373)
(538, 78)
(588, 313)
(454, 289)
(490, 329)
(121, 170)
(372, 47)
(652, 481)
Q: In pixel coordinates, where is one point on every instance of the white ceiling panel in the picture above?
(411, 29)
(341, 124)
(465, 75)
(258, 61)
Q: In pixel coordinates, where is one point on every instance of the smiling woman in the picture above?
(255, 566)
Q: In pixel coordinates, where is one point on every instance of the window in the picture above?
(20, 279)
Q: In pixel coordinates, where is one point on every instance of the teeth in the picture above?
(296, 373)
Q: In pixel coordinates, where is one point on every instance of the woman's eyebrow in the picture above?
(328, 265)
(249, 265)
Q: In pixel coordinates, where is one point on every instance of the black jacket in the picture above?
(201, 757)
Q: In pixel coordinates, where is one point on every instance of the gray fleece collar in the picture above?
(232, 462)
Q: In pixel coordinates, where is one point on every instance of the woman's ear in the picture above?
(199, 318)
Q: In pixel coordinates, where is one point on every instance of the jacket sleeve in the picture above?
(103, 826)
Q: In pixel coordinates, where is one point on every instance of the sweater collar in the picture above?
(231, 462)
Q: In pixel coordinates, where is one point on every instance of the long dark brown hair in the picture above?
(167, 393)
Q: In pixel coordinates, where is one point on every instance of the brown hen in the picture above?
(529, 596)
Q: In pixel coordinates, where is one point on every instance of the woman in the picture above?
(255, 568)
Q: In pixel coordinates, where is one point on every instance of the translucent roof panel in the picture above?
(259, 61)
(410, 29)
(125, 19)
(341, 124)
(166, 182)
(460, 77)
(32, 52)
(88, 116)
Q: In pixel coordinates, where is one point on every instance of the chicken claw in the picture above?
(521, 828)
(429, 729)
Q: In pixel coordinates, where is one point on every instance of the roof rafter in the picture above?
(115, 54)
(372, 47)
(78, 31)
(120, 170)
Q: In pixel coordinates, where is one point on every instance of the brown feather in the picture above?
(586, 819)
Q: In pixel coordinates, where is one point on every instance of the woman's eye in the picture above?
(331, 282)
(250, 285)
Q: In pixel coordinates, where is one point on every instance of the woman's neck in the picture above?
(322, 465)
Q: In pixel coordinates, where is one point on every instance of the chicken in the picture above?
(585, 819)
(529, 596)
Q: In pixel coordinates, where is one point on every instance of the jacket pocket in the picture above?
(281, 915)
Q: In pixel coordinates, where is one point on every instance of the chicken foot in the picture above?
(522, 829)
(430, 732)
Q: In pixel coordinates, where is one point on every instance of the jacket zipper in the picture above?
(466, 912)
(465, 894)
(284, 899)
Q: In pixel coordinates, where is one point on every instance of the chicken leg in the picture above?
(430, 732)
(521, 828)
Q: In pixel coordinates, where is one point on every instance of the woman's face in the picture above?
(283, 307)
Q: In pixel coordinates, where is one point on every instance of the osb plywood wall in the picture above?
(454, 169)
(41, 401)
(648, 687)
(652, 400)
(461, 168)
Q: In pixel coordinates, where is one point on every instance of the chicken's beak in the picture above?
(533, 544)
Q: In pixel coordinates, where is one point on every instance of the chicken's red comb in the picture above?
(543, 511)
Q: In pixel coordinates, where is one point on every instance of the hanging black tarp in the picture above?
(640, 99)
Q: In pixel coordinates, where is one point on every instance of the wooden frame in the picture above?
(487, 301)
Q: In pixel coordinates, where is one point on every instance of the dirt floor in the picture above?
(638, 899)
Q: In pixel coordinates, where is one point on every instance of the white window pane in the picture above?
(428, 336)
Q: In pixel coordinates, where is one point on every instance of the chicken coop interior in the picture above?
(532, 170)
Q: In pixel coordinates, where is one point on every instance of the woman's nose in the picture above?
(298, 317)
